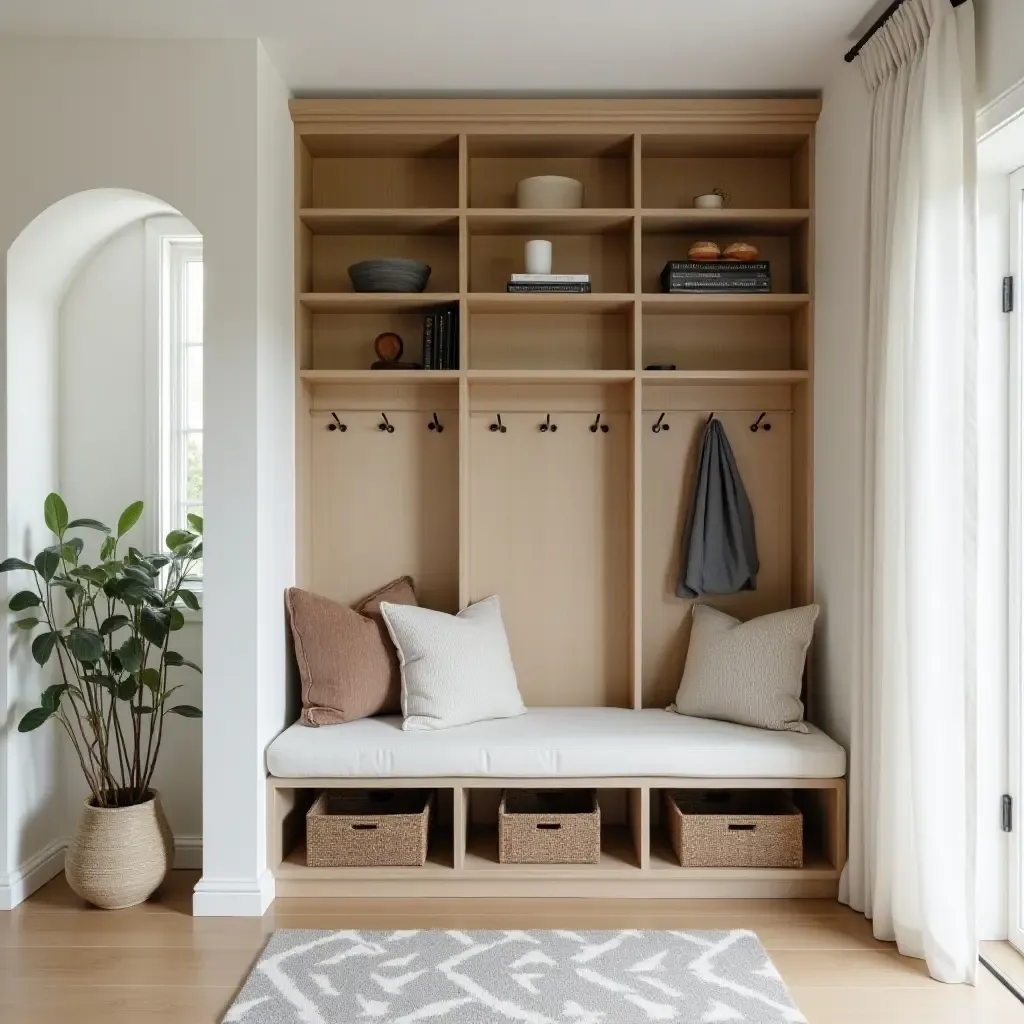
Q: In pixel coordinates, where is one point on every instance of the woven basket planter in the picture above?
(735, 829)
(118, 856)
(368, 828)
(542, 827)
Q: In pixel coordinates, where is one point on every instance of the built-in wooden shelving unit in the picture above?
(578, 531)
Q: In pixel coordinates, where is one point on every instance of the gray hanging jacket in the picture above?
(719, 551)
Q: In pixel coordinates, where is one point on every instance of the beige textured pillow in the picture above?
(751, 672)
(347, 664)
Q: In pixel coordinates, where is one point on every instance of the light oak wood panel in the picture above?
(386, 181)
(753, 182)
(669, 465)
(375, 302)
(386, 505)
(551, 507)
(724, 221)
(502, 302)
(741, 305)
(334, 254)
(539, 223)
(377, 378)
(702, 342)
(493, 259)
(584, 341)
(663, 247)
(380, 222)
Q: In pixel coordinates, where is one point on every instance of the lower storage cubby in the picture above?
(579, 813)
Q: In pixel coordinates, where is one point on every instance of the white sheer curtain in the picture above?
(912, 782)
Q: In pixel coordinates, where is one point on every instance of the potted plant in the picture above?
(105, 627)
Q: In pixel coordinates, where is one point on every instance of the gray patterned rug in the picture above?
(535, 977)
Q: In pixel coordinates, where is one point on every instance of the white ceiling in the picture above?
(479, 46)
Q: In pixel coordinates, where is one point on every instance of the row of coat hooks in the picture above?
(497, 427)
(659, 424)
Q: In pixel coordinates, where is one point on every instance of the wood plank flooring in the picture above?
(61, 961)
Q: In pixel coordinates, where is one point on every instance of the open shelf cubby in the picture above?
(578, 530)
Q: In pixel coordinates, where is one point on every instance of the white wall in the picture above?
(1000, 27)
(840, 323)
(105, 455)
(179, 120)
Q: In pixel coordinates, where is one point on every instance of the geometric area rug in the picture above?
(531, 977)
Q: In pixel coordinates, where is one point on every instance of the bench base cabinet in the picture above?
(636, 858)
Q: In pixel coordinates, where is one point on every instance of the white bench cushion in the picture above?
(555, 743)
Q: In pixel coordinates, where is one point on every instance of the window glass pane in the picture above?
(194, 467)
(193, 388)
(193, 303)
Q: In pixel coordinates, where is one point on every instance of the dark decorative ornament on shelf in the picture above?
(389, 348)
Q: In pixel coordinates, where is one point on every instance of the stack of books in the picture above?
(688, 276)
(441, 338)
(559, 283)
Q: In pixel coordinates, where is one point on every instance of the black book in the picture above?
(722, 266)
(455, 337)
(763, 288)
(446, 319)
(580, 288)
(679, 279)
(429, 341)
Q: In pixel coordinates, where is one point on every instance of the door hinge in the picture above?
(1007, 813)
(1007, 294)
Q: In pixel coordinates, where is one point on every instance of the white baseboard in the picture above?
(49, 862)
(233, 897)
(33, 873)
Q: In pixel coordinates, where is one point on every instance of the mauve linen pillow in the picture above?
(347, 663)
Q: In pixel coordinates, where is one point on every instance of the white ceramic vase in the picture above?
(538, 257)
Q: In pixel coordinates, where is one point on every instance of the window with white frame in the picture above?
(176, 262)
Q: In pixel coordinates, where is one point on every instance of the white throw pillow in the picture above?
(751, 672)
(456, 669)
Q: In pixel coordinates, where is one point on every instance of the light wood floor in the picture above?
(63, 962)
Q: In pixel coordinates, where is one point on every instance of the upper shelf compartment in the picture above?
(761, 171)
(374, 172)
(602, 162)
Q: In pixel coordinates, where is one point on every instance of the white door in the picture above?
(1016, 568)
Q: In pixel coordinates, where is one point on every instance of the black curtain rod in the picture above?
(882, 19)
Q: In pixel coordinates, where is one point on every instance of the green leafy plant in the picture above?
(109, 627)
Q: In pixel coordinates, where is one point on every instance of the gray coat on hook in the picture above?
(719, 551)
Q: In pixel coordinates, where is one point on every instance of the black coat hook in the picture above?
(707, 422)
(436, 424)
(660, 425)
(386, 425)
(758, 425)
(498, 427)
(597, 424)
(337, 424)
(548, 425)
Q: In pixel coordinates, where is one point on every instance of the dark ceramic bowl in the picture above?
(391, 275)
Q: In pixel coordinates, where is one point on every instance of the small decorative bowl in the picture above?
(741, 251)
(389, 275)
(549, 192)
(704, 251)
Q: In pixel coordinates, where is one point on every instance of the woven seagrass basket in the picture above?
(735, 829)
(549, 827)
(368, 828)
